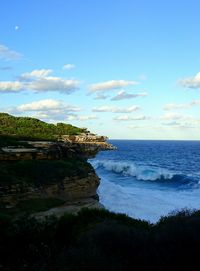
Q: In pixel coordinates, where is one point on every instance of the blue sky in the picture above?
(125, 69)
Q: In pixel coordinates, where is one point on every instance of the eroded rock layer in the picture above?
(50, 174)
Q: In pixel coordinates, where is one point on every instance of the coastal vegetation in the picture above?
(100, 240)
(13, 128)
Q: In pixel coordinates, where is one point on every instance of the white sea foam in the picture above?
(145, 203)
(128, 168)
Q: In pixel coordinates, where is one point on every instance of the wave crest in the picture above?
(144, 173)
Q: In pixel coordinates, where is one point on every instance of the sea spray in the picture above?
(149, 179)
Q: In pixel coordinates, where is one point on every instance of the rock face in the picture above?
(69, 190)
(87, 144)
(84, 138)
(77, 189)
(84, 145)
(73, 188)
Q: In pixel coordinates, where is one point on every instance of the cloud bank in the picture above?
(47, 104)
(46, 109)
(51, 110)
(9, 86)
(39, 81)
(191, 82)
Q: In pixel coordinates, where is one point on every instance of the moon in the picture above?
(16, 27)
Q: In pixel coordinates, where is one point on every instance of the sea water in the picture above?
(149, 179)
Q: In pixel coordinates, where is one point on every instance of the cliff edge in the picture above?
(43, 177)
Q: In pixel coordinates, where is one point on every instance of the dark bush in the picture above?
(100, 240)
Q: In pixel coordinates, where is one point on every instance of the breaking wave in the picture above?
(145, 173)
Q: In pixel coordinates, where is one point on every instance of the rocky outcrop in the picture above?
(70, 189)
(75, 190)
(84, 138)
(84, 145)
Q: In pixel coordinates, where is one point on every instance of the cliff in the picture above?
(84, 145)
(46, 177)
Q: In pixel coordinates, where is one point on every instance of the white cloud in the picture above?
(144, 127)
(50, 83)
(82, 118)
(191, 82)
(36, 73)
(195, 102)
(173, 106)
(176, 106)
(47, 109)
(121, 95)
(47, 104)
(181, 124)
(110, 85)
(9, 86)
(174, 120)
(7, 54)
(68, 66)
(16, 27)
(171, 123)
(187, 125)
(38, 80)
(172, 116)
(165, 126)
(130, 118)
(180, 120)
(134, 127)
(114, 109)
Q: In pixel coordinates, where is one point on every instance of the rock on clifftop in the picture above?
(87, 143)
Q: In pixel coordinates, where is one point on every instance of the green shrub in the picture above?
(31, 128)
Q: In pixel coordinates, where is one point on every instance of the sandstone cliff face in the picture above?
(69, 189)
(84, 145)
(74, 190)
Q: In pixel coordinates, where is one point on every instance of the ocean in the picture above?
(147, 179)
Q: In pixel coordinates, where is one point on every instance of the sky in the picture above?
(127, 69)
